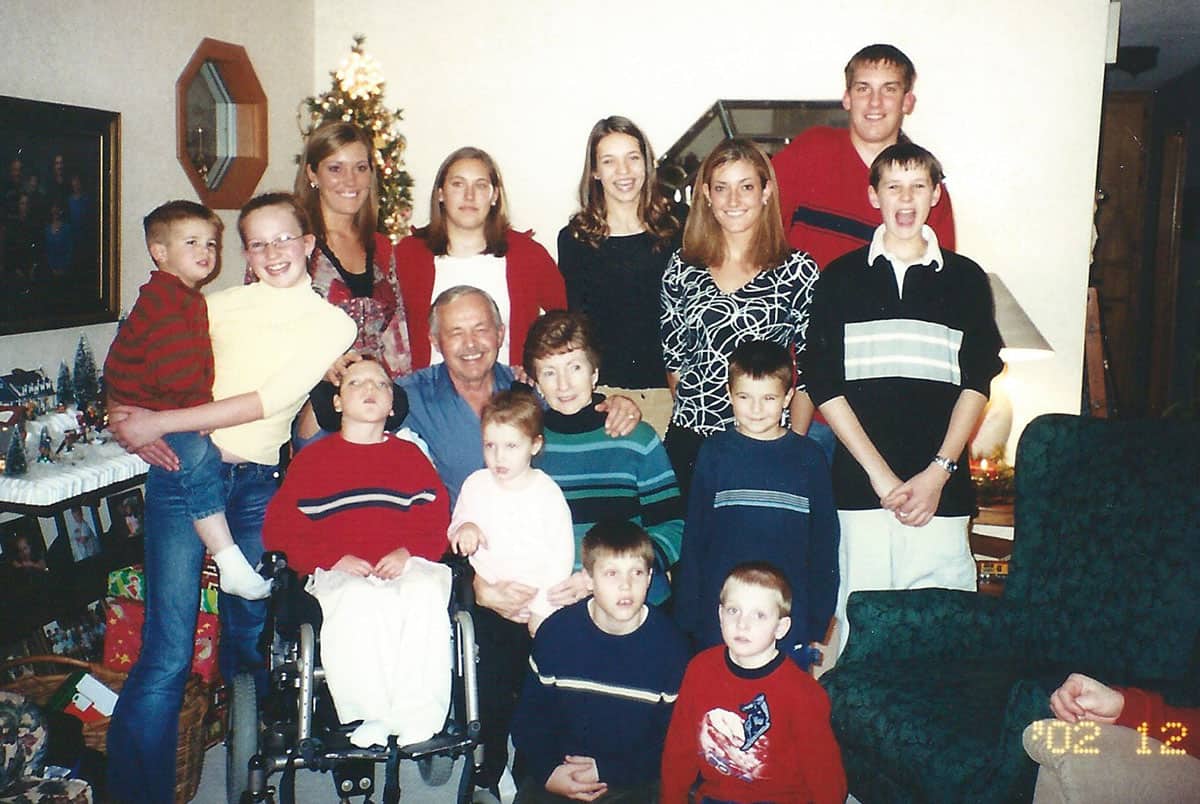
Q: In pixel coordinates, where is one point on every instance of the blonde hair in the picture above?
(765, 576)
(703, 238)
(320, 145)
(517, 408)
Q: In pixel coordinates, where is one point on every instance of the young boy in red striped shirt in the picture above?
(162, 359)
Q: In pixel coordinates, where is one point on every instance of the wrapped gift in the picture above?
(85, 697)
(130, 582)
(210, 584)
(127, 582)
(123, 638)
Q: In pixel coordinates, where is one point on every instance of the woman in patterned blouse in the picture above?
(735, 279)
(353, 265)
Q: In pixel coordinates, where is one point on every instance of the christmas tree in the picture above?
(87, 389)
(356, 96)
(66, 392)
(14, 461)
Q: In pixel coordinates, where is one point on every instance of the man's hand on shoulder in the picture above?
(623, 415)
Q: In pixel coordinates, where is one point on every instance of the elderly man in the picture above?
(444, 400)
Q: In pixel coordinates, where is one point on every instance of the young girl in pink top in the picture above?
(513, 521)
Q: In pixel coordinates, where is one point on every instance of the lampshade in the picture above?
(1022, 341)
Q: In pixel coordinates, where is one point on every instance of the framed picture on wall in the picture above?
(59, 215)
(79, 527)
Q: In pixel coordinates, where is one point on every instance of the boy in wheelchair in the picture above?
(363, 514)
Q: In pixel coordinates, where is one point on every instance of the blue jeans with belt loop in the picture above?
(144, 732)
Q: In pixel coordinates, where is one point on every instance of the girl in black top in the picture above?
(612, 256)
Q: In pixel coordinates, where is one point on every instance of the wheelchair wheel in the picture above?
(242, 742)
(435, 770)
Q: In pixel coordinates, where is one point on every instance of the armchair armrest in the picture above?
(928, 623)
(1113, 771)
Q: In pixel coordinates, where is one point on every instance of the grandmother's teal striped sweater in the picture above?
(628, 477)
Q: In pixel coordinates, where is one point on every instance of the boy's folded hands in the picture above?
(577, 778)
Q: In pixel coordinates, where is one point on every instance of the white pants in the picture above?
(879, 552)
(385, 647)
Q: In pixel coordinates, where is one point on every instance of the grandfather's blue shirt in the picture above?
(448, 425)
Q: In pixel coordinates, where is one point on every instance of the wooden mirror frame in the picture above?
(250, 160)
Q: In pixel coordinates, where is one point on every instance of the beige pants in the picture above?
(878, 552)
(655, 404)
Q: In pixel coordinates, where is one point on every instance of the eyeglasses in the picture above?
(280, 242)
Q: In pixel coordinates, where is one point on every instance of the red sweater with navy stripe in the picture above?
(823, 196)
(162, 357)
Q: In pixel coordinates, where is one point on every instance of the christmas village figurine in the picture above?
(31, 390)
(45, 448)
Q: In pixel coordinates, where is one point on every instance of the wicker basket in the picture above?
(189, 755)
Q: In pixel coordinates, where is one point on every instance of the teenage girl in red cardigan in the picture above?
(469, 242)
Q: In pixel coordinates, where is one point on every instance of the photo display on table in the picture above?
(79, 526)
(23, 546)
(127, 514)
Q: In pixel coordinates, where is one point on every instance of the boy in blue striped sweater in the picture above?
(604, 676)
(760, 493)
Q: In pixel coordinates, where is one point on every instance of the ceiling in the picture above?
(1171, 25)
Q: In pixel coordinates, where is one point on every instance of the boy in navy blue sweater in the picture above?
(760, 493)
(604, 674)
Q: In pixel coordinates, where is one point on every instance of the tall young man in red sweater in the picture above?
(822, 173)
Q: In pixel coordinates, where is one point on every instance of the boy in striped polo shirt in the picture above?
(760, 493)
(902, 349)
(162, 359)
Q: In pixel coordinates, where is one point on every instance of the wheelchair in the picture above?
(295, 725)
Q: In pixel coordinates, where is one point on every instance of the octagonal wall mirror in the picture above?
(221, 124)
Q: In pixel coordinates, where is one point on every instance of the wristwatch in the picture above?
(950, 466)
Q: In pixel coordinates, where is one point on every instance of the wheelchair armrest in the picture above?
(462, 584)
(272, 564)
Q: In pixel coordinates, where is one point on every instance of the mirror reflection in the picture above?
(211, 125)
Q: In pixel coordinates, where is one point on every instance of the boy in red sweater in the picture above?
(365, 514)
(162, 359)
(361, 501)
(749, 723)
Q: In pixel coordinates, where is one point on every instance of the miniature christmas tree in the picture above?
(14, 461)
(87, 389)
(65, 390)
(356, 96)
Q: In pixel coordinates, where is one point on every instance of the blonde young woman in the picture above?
(612, 255)
(735, 279)
(353, 266)
(469, 242)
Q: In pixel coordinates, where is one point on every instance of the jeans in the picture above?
(197, 484)
(144, 731)
(822, 433)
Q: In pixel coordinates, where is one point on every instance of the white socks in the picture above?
(238, 577)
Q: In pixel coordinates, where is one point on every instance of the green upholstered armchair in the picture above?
(935, 686)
